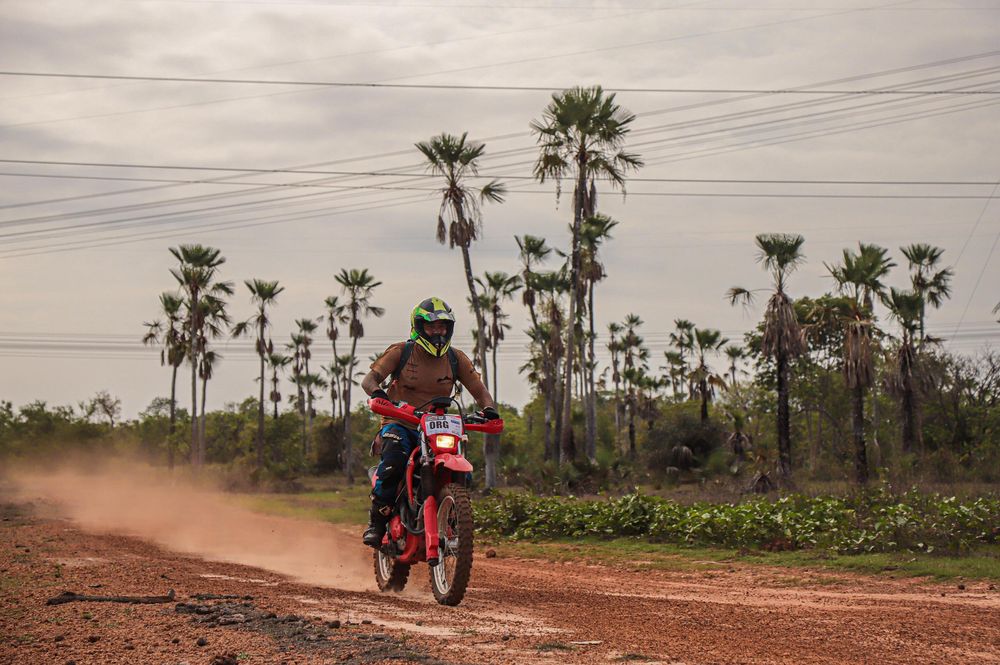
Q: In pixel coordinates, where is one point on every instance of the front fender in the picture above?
(453, 462)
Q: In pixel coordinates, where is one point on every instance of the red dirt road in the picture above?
(516, 611)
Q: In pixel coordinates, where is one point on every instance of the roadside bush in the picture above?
(680, 439)
(876, 521)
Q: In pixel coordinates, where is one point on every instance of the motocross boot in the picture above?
(378, 518)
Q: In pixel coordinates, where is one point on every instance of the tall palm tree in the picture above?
(497, 287)
(460, 217)
(780, 254)
(214, 321)
(682, 339)
(595, 230)
(460, 222)
(634, 356)
(196, 276)
(703, 379)
(735, 354)
(277, 362)
(932, 285)
(206, 369)
(676, 369)
(859, 278)
(335, 317)
(263, 294)
(295, 346)
(533, 252)
(905, 307)
(615, 348)
(552, 285)
(169, 333)
(581, 134)
(306, 328)
(357, 287)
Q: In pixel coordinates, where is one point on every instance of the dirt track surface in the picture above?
(516, 611)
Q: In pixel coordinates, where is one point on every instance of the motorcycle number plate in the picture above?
(447, 424)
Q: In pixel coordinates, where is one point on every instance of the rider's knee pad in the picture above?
(390, 472)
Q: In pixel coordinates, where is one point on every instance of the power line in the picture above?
(234, 169)
(513, 88)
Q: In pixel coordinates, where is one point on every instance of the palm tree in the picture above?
(263, 294)
(214, 320)
(460, 222)
(310, 384)
(932, 285)
(634, 356)
(277, 362)
(703, 379)
(460, 217)
(676, 369)
(615, 348)
(196, 276)
(596, 229)
(780, 254)
(683, 340)
(306, 328)
(497, 287)
(169, 333)
(581, 134)
(533, 252)
(357, 286)
(335, 317)
(859, 278)
(905, 307)
(735, 354)
(206, 368)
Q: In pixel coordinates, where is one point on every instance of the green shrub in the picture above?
(876, 521)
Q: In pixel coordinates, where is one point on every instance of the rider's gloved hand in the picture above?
(378, 393)
(490, 413)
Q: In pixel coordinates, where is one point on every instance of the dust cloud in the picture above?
(146, 503)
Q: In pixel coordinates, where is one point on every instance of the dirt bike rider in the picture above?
(422, 368)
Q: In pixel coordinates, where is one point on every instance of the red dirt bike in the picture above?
(432, 518)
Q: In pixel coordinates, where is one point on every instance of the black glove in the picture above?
(378, 393)
(490, 413)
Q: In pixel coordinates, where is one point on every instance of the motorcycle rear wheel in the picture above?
(450, 578)
(390, 574)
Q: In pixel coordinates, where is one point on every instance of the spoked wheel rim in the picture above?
(384, 562)
(444, 572)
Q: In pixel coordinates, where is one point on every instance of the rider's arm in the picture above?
(372, 382)
(470, 378)
(382, 368)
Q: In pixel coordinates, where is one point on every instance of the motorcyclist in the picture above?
(422, 368)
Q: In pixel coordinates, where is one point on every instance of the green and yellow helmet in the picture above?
(432, 309)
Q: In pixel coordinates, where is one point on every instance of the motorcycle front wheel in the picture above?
(450, 577)
(390, 574)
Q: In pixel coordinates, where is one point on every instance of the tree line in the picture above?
(810, 356)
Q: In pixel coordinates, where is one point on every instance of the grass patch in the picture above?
(346, 505)
(983, 563)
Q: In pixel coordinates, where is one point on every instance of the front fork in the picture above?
(431, 537)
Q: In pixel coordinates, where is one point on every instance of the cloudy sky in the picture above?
(101, 175)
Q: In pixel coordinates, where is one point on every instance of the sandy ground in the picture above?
(255, 589)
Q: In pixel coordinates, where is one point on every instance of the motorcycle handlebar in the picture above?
(406, 412)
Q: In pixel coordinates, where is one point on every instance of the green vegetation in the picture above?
(981, 563)
(860, 523)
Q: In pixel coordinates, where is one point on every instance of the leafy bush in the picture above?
(680, 439)
(877, 521)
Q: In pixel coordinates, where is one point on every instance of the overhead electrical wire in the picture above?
(448, 86)
(496, 64)
(876, 74)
